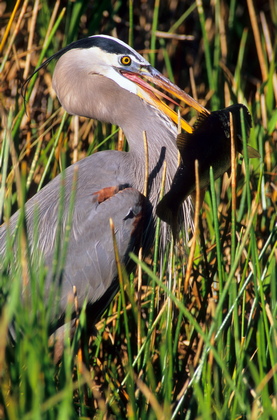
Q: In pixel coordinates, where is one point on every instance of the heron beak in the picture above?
(155, 97)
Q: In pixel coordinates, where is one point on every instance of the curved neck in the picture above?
(95, 96)
(160, 134)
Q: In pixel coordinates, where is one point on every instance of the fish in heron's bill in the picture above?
(210, 144)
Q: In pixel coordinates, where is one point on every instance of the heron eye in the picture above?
(125, 60)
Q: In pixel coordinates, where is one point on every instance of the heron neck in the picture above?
(160, 134)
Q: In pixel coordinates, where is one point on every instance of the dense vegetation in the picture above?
(195, 338)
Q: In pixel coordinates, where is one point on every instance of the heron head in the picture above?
(103, 64)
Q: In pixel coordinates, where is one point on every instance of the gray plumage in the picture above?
(90, 80)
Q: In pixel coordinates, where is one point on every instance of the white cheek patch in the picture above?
(106, 68)
(107, 64)
(122, 81)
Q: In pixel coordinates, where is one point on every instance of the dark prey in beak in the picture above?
(210, 144)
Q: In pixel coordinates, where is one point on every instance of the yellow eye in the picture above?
(125, 60)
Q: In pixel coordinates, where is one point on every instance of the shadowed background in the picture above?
(204, 348)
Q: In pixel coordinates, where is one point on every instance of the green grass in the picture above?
(203, 350)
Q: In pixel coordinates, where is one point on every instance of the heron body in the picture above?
(101, 77)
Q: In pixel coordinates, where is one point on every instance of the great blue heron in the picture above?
(103, 78)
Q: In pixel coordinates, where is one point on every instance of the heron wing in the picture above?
(90, 263)
(103, 191)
